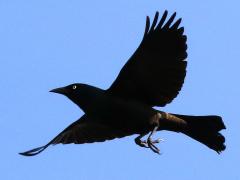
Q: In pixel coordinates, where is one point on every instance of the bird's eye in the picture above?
(74, 87)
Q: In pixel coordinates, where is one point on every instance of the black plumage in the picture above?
(153, 76)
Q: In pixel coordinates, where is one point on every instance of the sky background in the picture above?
(47, 44)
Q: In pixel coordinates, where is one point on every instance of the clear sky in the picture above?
(46, 44)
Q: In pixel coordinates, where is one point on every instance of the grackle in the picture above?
(153, 76)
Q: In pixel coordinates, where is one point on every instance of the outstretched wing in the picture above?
(79, 132)
(155, 73)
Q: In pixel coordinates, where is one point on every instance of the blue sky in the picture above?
(47, 44)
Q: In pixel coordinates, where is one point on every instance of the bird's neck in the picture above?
(89, 98)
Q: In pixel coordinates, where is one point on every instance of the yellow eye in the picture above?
(74, 87)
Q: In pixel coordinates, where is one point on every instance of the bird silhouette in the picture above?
(153, 76)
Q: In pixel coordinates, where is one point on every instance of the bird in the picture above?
(152, 77)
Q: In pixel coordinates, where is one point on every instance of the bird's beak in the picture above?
(61, 90)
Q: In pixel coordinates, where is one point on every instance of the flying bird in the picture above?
(153, 76)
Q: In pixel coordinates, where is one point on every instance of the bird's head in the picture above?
(70, 90)
(80, 94)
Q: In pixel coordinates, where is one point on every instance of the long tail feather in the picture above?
(205, 129)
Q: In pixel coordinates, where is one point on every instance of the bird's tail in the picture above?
(204, 129)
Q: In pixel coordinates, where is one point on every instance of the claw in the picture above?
(141, 143)
(157, 141)
(152, 146)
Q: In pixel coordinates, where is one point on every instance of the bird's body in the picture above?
(153, 76)
(115, 112)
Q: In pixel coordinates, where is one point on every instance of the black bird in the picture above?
(153, 76)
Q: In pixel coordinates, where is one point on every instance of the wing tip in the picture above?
(154, 21)
(159, 25)
(34, 151)
(165, 12)
(147, 25)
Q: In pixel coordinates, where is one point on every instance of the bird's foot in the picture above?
(154, 141)
(141, 143)
(151, 144)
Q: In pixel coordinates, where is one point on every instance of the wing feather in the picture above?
(82, 131)
(155, 73)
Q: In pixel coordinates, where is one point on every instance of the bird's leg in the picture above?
(141, 143)
(151, 142)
